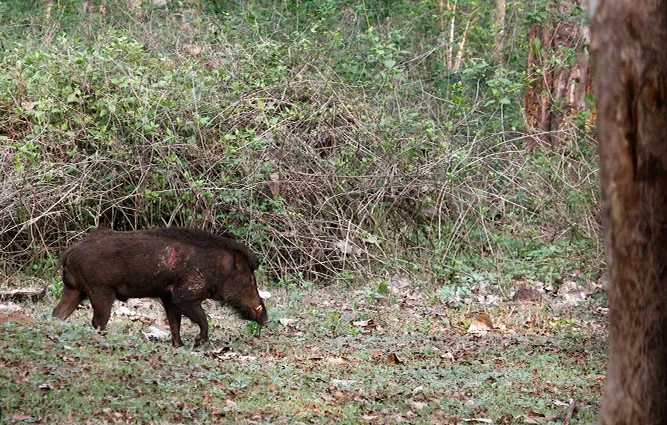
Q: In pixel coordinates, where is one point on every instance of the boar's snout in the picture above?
(257, 313)
(248, 306)
(262, 315)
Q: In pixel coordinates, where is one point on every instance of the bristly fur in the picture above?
(199, 238)
(203, 238)
(179, 266)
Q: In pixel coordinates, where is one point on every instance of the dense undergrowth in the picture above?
(327, 135)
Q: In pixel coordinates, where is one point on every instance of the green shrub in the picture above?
(313, 142)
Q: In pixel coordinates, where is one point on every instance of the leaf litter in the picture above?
(354, 358)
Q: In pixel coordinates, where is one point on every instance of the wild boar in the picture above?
(180, 266)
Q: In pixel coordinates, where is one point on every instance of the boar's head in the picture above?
(239, 288)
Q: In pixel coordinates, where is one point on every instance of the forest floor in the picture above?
(329, 355)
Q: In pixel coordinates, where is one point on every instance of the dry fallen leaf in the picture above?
(417, 405)
(122, 310)
(447, 356)
(367, 325)
(571, 292)
(392, 358)
(481, 324)
(574, 297)
(347, 248)
(19, 417)
(156, 333)
(226, 355)
(480, 420)
(520, 280)
(344, 383)
(21, 377)
(286, 321)
(535, 418)
(247, 358)
(369, 417)
(328, 398)
(193, 49)
(336, 360)
(527, 294)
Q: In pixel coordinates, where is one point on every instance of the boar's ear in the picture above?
(239, 260)
(253, 262)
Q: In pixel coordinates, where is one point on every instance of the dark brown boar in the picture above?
(180, 266)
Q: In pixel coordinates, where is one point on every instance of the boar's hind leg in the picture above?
(195, 312)
(69, 301)
(174, 317)
(101, 299)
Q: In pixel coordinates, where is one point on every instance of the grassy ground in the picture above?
(329, 355)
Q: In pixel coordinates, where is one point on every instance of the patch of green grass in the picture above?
(328, 365)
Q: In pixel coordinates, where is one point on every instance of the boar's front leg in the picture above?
(101, 299)
(194, 311)
(174, 318)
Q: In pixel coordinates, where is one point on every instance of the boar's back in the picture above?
(196, 238)
(204, 239)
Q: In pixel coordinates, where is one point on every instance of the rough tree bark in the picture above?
(558, 62)
(628, 41)
(500, 34)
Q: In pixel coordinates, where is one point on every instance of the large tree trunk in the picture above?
(629, 39)
(558, 83)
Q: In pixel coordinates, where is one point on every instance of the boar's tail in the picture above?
(63, 257)
(99, 231)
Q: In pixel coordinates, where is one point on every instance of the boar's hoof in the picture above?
(200, 341)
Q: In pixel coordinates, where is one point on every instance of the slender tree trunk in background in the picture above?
(500, 34)
(558, 65)
(454, 52)
(628, 40)
(451, 39)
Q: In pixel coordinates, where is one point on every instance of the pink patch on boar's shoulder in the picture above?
(173, 257)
